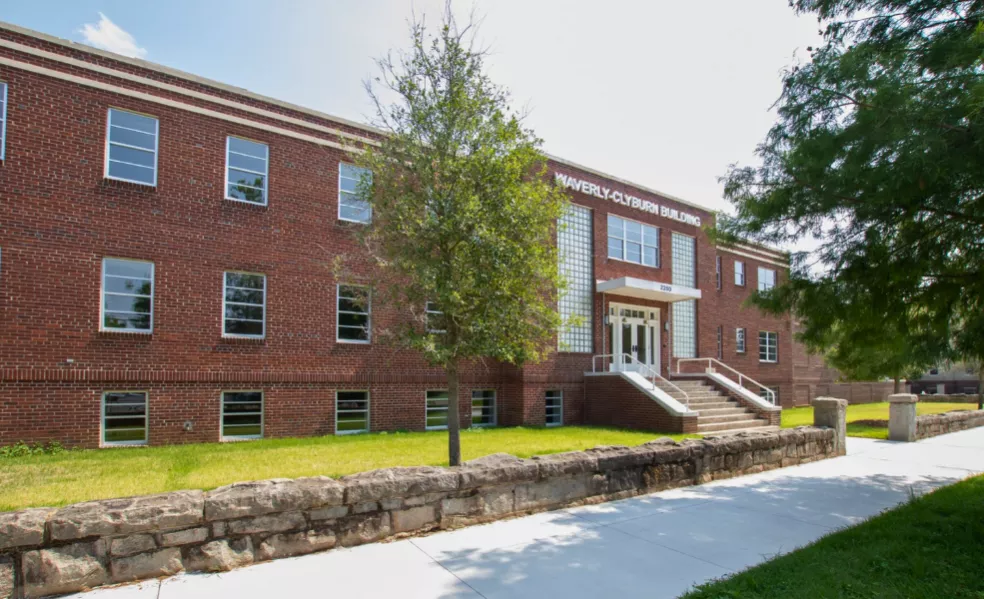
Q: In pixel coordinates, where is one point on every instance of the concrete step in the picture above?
(719, 411)
(727, 426)
(712, 405)
(757, 429)
(725, 418)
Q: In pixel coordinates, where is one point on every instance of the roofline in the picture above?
(153, 66)
(165, 70)
(610, 177)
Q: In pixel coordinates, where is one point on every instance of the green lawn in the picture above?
(53, 480)
(928, 548)
(872, 411)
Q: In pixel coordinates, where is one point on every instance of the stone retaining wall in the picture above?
(47, 551)
(932, 425)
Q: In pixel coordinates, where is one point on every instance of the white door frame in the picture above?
(638, 319)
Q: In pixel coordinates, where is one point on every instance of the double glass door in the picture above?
(633, 332)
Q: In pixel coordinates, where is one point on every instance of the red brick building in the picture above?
(165, 272)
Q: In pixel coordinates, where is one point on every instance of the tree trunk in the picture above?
(897, 386)
(980, 385)
(454, 421)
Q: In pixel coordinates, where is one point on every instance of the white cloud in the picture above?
(107, 35)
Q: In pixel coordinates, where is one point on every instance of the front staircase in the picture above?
(716, 411)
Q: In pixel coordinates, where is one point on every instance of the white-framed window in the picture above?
(242, 415)
(247, 170)
(766, 279)
(354, 314)
(3, 119)
(127, 296)
(720, 342)
(350, 206)
(351, 412)
(437, 409)
(717, 271)
(243, 304)
(555, 407)
(740, 340)
(483, 407)
(768, 346)
(435, 318)
(632, 241)
(124, 418)
(739, 273)
(131, 147)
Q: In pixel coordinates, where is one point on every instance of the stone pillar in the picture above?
(902, 417)
(831, 412)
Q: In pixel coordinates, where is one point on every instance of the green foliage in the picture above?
(21, 449)
(877, 152)
(462, 213)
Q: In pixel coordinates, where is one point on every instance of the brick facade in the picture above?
(59, 218)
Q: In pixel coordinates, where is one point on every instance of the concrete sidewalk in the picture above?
(657, 545)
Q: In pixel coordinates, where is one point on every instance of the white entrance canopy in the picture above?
(650, 290)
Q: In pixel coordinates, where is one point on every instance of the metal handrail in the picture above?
(652, 379)
(741, 377)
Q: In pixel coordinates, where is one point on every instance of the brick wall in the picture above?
(614, 401)
(59, 218)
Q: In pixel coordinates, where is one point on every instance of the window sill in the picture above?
(245, 340)
(768, 361)
(346, 433)
(239, 439)
(108, 181)
(122, 444)
(351, 342)
(347, 221)
(126, 333)
(247, 203)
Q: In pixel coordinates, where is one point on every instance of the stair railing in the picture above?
(653, 374)
(770, 394)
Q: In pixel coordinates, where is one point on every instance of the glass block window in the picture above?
(740, 340)
(555, 407)
(632, 241)
(766, 279)
(131, 147)
(244, 305)
(3, 119)
(247, 166)
(739, 273)
(242, 414)
(128, 296)
(575, 248)
(684, 313)
(354, 314)
(483, 407)
(437, 410)
(351, 412)
(768, 346)
(124, 416)
(350, 206)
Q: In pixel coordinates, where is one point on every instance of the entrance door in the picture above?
(634, 336)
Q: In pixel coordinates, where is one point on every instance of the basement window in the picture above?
(124, 416)
(351, 412)
(242, 415)
(555, 407)
(483, 407)
(437, 410)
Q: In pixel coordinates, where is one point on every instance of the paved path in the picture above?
(652, 546)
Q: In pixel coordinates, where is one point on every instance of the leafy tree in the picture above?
(877, 152)
(463, 215)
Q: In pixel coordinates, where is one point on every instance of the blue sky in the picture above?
(655, 92)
